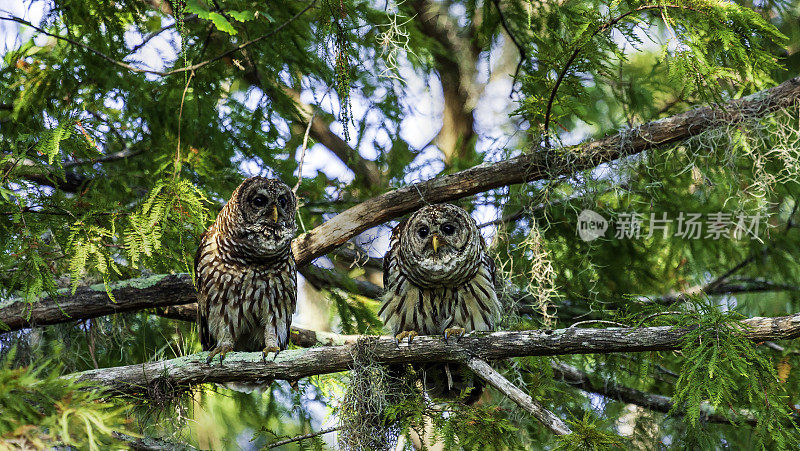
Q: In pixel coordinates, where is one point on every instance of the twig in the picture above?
(303, 154)
(301, 437)
(577, 50)
(498, 381)
(190, 17)
(121, 155)
(180, 116)
(520, 48)
(597, 321)
(661, 314)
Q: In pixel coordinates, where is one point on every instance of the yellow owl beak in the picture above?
(435, 243)
(274, 213)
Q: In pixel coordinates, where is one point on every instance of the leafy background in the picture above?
(111, 171)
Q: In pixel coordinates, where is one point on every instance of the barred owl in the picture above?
(246, 275)
(439, 280)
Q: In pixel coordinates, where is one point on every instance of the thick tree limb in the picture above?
(741, 286)
(93, 301)
(297, 364)
(498, 381)
(538, 165)
(173, 295)
(610, 389)
(151, 443)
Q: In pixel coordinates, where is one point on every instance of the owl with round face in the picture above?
(246, 274)
(439, 279)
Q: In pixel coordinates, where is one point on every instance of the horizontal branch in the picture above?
(613, 390)
(93, 301)
(27, 169)
(539, 164)
(172, 295)
(296, 364)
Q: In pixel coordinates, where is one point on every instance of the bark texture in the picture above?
(296, 364)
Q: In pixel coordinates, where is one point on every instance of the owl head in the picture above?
(440, 245)
(261, 218)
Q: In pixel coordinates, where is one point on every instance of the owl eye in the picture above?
(423, 231)
(282, 201)
(260, 201)
(448, 229)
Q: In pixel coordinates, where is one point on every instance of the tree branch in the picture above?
(504, 386)
(301, 437)
(27, 169)
(173, 295)
(296, 364)
(150, 443)
(191, 68)
(363, 168)
(539, 164)
(613, 390)
(93, 301)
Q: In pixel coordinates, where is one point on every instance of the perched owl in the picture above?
(246, 275)
(438, 279)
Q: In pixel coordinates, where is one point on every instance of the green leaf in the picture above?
(222, 23)
(242, 16)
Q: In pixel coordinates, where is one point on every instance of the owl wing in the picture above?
(390, 269)
(290, 300)
(489, 263)
(206, 340)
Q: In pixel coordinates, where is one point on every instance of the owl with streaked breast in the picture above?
(246, 274)
(439, 279)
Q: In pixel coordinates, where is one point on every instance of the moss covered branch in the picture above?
(296, 364)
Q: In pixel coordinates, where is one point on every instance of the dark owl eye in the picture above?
(259, 201)
(282, 201)
(423, 231)
(448, 229)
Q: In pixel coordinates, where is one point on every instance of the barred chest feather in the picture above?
(243, 302)
(472, 305)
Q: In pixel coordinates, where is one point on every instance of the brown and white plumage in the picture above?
(246, 275)
(439, 279)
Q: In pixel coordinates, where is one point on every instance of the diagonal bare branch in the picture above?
(539, 164)
(522, 399)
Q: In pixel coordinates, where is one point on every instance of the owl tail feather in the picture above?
(452, 382)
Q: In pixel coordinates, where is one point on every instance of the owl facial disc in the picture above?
(267, 209)
(438, 238)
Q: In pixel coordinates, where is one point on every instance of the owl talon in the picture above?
(219, 350)
(269, 349)
(458, 332)
(408, 333)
